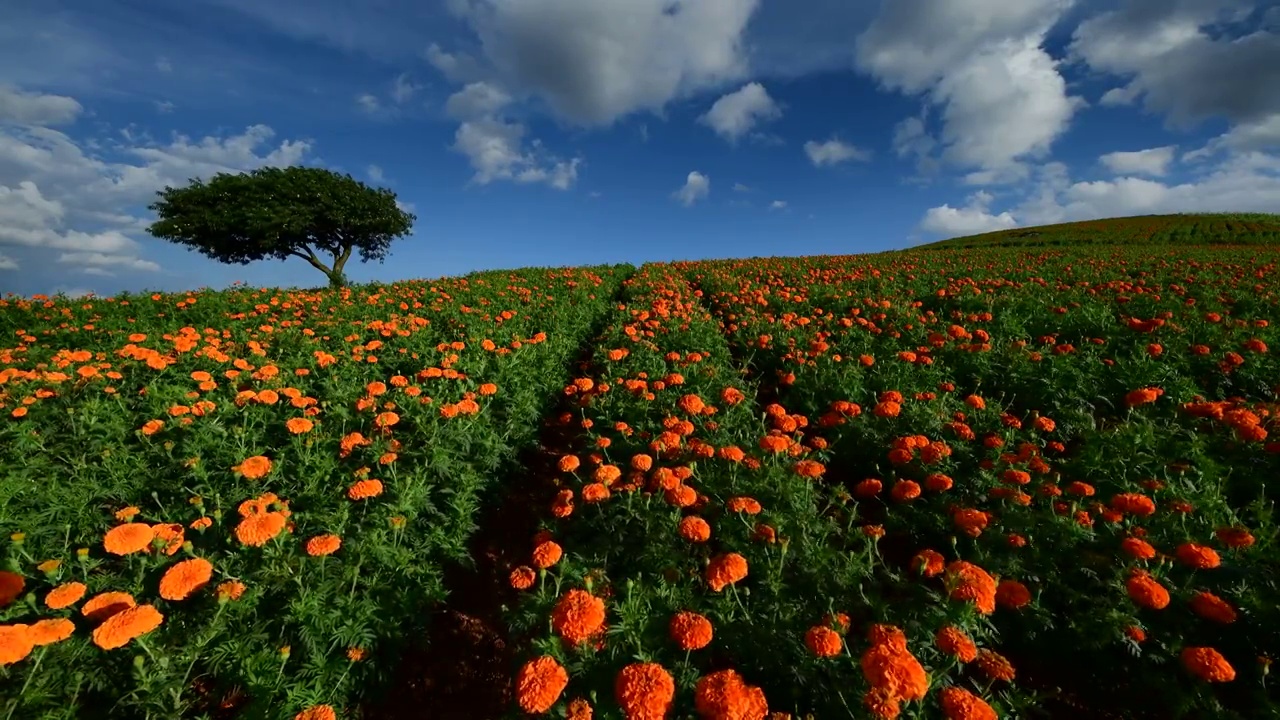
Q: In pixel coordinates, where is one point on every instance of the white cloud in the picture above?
(368, 103)
(476, 100)
(163, 65)
(95, 259)
(739, 187)
(594, 61)
(778, 205)
(455, 67)
(495, 149)
(375, 173)
(26, 108)
(1154, 161)
(981, 61)
(164, 107)
(969, 220)
(403, 89)
(832, 152)
(8, 263)
(696, 186)
(736, 113)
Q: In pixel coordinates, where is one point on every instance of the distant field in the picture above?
(1211, 229)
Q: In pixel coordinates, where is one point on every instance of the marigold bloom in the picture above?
(1200, 557)
(51, 630)
(317, 712)
(929, 563)
(691, 631)
(1235, 537)
(117, 630)
(298, 426)
(746, 505)
(546, 554)
(171, 534)
(11, 585)
(104, 605)
(230, 590)
(539, 684)
(695, 529)
(1211, 607)
(726, 570)
(65, 595)
(522, 577)
(569, 463)
(578, 616)
(810, 469)
(259, 528)
(1137, 548)
(645, 691)
(1207, 664)
(960, 704)
(364, 489)
(953, 641)
(724, 695)
(822, 641)
(994, 665)
(128, 538)
(895, 671)
(1012, 594)
(969, 582)
(16, 643)
(1146, 592)
(255, 467)
(185, 578)
(323, 545)
(579, 709)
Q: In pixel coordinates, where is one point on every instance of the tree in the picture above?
(280, 212)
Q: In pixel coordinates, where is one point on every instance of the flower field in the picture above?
(956, 484)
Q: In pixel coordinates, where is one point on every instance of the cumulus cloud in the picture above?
(375, 173)
(833, 152)
(1154, 161)
(778, 205)
(696, 186)
(477, 99)
(8, 263)
(495, 147)
(28, 108)
(54, 196)
(594, 61)
(982, 62)
(737, 113)
(971, 219)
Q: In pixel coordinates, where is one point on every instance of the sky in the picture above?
(574, 132)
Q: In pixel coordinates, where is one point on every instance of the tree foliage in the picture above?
(281, 212)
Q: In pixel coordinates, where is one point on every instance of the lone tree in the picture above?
(278, 212)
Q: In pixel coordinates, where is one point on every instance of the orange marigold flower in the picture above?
(364, 489)
(969, 582)
(1200, 557)
(522, 577)
(128, 538)
(546, 554)
(953, 641)
(994, 665)
(259, 528)
(1146, 592)
(695, 529)
(724, 695)
(104, 605)
(16, 643)
(891, 668)
(823, 641)
(726, 570)
(578, 616)
(810, 469)
(171, 534)
(255, 467)
(691, 631)
(201, 523)
(645, 691)
(126, 514)
(1207, 664)
(230, 590)
(579, 709)
(11, 585)
(317, 712)
(185, 578)
(1012, 594)
(1137, 548)
(323, 545)
(539, 684)
(929, 563)
(606, 474)
(65, 595)
(1211, 607)
(960, 704)
(117, 630)
(51, 630)
(746, 505)
(297, 426)
(1235, 537)
(569, 463)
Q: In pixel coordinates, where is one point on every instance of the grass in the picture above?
(1164, 230)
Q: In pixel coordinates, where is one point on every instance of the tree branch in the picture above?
(311, 258)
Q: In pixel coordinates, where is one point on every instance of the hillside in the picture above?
(1206, 229)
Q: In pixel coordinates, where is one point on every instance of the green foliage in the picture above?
(282, 212)
(1163, 230)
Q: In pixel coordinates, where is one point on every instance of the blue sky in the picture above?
(567, 132)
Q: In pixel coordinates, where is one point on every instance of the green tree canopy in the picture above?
(280, 212)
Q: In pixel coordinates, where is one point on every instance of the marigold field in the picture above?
(962, 484)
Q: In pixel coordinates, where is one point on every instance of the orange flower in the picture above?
(126, 514)
(298, 426)
(117, 630)
(1146, 592)
(822, 641)
(1137, 548)
(579, 709)
(522, 577)
(257, 529)
(16, 643)
(52, 630)
(724, 695)
(1211, 607)
(255, 467)
(1207, 664)
(928, 563)
(104, 605)
(1012, 594)
(546, 554)
(953, 641)
(969, 582)
(695, 529)
(65, 595)
(890, 667)
(364, 489)
(183, 579)
(1200, 557)
(995, 665)
(317, 712)
(960, 704)
(323, 545)
(11, 585)
(128, 538)
(230, 590)
(691, 631)
(171, 534)
(569, 463)
(726, 570)
(539, 684)
(578, 616)
(645, 691)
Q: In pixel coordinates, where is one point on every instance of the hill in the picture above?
(1206, 229)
